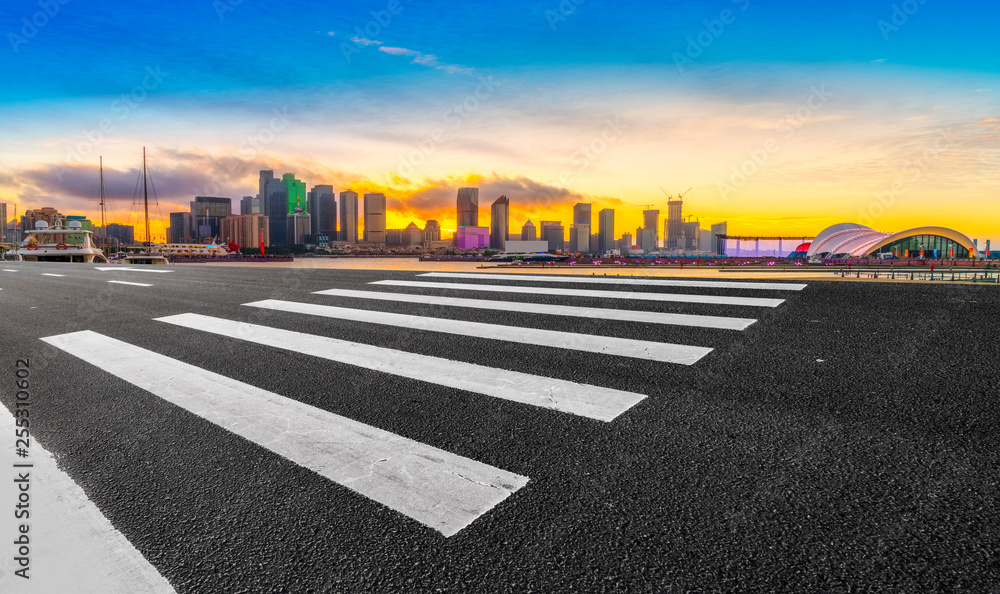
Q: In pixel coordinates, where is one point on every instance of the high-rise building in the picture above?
(646, 238)
(374, 218)
(706, 241)
(468, 207)
(3, 222)
(472, 238)
(47, 214)
(250, 205)
(581, 214)
(266, 177)
(348, 216)
(432, 231)
(691, 235)
(579, 239)
(124, 233)
(675, 224)
(605, 230)
(553, 232)
(207, 213)
(323, 211)
(246, 231)
(528, 232)
(718, 245)
(651, 221)
(393, 237)
(500, 223)
(297, 227)
(180, 229)
(412, 235)
(274, 205)
(626, 242)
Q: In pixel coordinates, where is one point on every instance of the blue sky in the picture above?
(701, 85)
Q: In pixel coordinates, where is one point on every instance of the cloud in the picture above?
(429, 60)
(879, 61)
(331, 33)
(365, 42)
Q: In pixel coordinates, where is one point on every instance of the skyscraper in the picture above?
(646, 238)
(605, 230)
(274, 204)
(468, 207)
(348, 216)
(207, 213)
(246, 231)
(180, 230)
(323, 208)
(675, 224)
(412, 235)
(581, 214)
(3, 222)
(553, 232)
(579, 239)
(432, 231)
(528, 232)
(296, 193)
(719, 245)
(375, 218)
(266, 176)
(500, 223)
(297, 227)
(250, 205)
(651, 221)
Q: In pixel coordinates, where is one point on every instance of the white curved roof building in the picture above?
(850, 240)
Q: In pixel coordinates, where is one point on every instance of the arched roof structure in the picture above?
(854, 240)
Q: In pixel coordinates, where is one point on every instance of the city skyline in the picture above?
(783, 121)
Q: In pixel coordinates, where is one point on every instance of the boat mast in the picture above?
(104, 229)
(145, 200)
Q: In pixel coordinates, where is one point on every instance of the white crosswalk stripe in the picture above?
(621, 315)
(602, 294)
(579, 399)
(647, 282)
(605, 345)
(128, 283)
(439, 489)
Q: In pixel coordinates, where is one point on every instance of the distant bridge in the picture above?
(721, 241)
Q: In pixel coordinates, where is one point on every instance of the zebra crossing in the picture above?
(439, 489)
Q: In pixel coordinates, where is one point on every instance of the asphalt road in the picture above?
(846, 441)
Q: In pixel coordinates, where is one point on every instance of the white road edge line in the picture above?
(665, 352)
(105, 268)
(50, 274)
(601, 294)
(128, 283)
(74, 548)
(594, 402)
(618, 280)
(439, 489)
(622, 315)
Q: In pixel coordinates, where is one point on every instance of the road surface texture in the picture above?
(257, 430)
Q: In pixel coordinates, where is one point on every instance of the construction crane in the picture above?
(679, 196)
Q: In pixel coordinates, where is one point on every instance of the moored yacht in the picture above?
(59, 243)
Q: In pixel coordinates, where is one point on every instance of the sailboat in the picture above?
(149, 257)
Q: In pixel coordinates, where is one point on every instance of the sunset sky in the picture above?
(782, 117)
